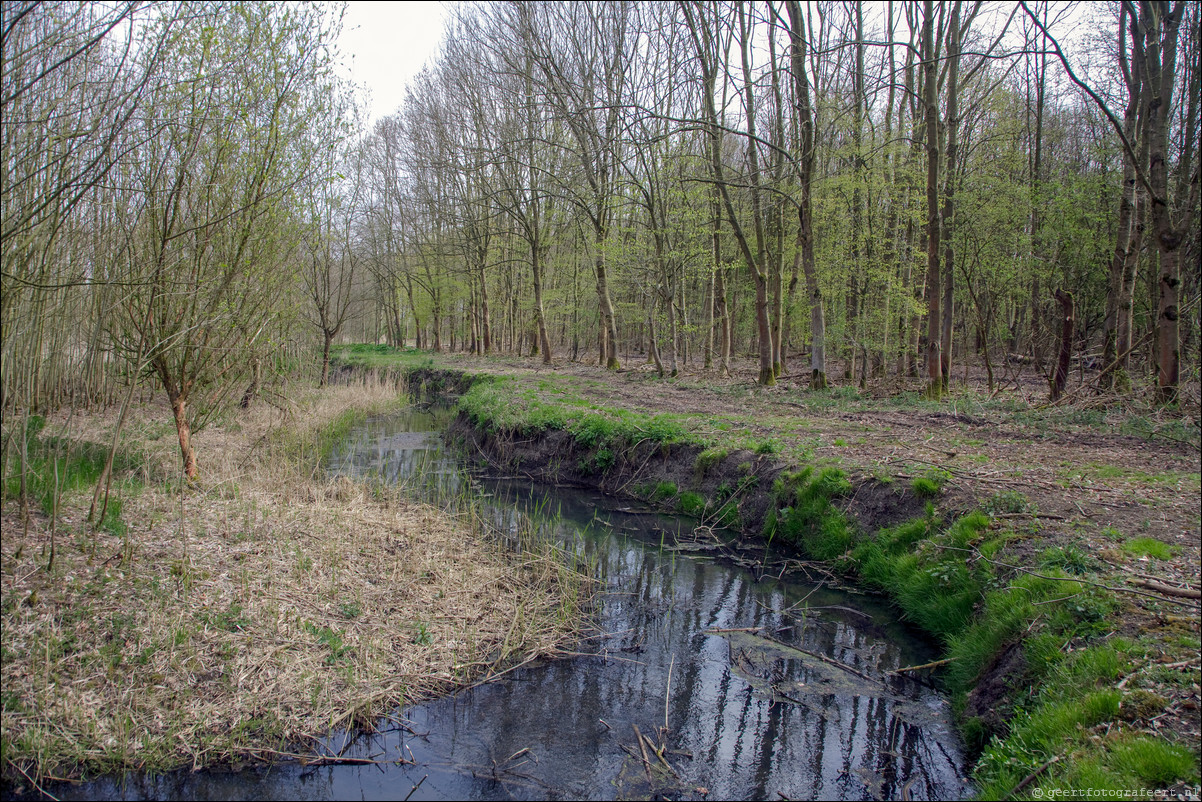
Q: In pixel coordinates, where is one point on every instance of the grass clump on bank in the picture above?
(262, 605)
(505, 405)
(804, 515)
(375, 356)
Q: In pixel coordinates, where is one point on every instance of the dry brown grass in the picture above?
(262, 606)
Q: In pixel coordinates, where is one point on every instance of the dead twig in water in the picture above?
(934, 664)
(638, 736)
(668, 690)
(659, 753)
(413, 790)
(830, 660)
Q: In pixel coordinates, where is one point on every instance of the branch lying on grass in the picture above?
(1078, 579)
(1168, 590)
(1031, 777)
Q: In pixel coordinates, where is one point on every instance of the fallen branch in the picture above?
(658, 752)
(413, 790)
(1077, 579)
(638, 736)
(934, 664)
(1031, 777)
(1168, 590)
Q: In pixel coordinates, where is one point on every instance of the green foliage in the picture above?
(767, 446)
(927, 575)
(421, 634)
(691, 503)
(708, 459)
(924, 487)
(806, 518)
(1007, 502)
(1155, 762)
(1076, 693)
(1149, 547)
(603, 459)
(663, 490)
(373, 355)
(58, 465)
(229, 620)
(1068, 558)
(330, 638)
(931, 483)
(1005, 616)
(504, 405)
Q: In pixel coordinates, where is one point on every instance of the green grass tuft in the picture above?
(1148, 547)
(663, 490)
(691, 503)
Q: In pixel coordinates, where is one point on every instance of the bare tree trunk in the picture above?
(326, 338)
(930, 101)
(485, 323)
(609, 325)
(653, 346)
(805, 214)
(1066, 344)
(544, 342)
(949, 206)
(179, 409)
(1160, 50)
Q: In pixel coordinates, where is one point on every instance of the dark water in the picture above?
(798, 708)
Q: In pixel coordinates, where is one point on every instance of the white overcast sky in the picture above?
(385, 44)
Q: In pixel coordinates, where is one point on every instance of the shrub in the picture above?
(1007, 502)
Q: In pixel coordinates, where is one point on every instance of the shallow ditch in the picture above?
(751, 678)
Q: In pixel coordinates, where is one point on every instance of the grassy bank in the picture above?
(1064, 675)
(234, 619)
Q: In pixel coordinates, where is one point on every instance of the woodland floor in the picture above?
(1096, 477)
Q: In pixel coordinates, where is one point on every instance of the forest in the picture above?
(838, 190)
(892, 302)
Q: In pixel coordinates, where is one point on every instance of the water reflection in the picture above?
(764, 686)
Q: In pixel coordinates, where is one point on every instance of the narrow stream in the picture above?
(766, 686)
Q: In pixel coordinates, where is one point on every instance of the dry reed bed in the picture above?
(261, 607)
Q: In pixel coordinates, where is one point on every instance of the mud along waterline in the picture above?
(741, 684)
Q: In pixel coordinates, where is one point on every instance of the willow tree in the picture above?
(331, 261)
(212, 244)
(73, 79)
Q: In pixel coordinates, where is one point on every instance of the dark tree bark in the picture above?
(1060, 377)
(931, 110)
